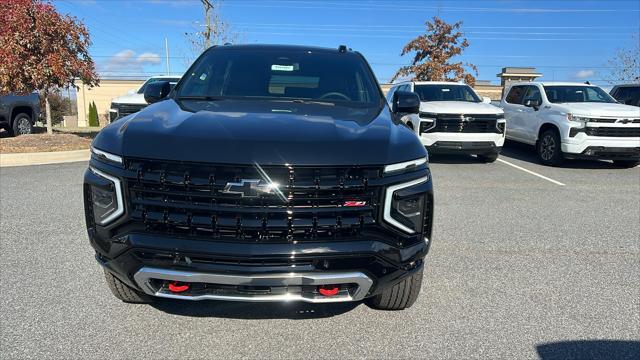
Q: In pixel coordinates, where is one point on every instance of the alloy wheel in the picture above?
(24, 126)
(547, 147)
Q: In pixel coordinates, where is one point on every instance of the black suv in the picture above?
(628, 94)
(269, 173)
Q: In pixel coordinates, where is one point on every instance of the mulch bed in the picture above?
(42, 143)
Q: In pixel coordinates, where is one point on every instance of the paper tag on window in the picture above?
(281, 67)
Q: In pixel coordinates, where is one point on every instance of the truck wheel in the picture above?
(627, 164)
(399, 297)
(123, 292)
(21, 125)
(549, 148)
(488, 158)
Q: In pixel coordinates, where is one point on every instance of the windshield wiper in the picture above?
(303, 101)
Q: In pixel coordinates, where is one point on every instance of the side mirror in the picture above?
(486, 100)
(156, 91)
(535, 104)
(405, 102)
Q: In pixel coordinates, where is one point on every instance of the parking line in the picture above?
(531, 172)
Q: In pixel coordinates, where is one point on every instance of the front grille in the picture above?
(128, 109)
(465, 123)
(610, 121)
(190, 199)
(613, 131)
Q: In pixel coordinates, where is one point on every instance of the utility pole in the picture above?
(166, 50)
(207, 22)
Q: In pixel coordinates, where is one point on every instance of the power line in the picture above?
(315, 34)
(397, 7)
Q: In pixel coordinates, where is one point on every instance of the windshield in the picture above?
(172, 82)
(339, 78)
(446, 93)
(577, 94)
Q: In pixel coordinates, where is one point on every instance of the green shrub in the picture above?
(93, 115)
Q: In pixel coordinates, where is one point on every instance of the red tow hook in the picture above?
(177, 287)
(328, 290)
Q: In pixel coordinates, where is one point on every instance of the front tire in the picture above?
(125, 293)
(488, 158)
(626, 164)
(549, 148)
(400, 296)
(21, 125)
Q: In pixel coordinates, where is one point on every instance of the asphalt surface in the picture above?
(520, 268)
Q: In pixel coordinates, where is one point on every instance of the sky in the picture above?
(564, 40)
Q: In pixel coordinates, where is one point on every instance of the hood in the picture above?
(458, 107)
(599, 109)
(137, 99)
(267, 133)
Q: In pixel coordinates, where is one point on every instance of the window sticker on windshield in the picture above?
(276, 67)
(203, 76)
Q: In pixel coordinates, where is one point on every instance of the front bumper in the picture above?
(353, 286)
(601, 147)
(476, 143)
(258, 272)
(607, 153)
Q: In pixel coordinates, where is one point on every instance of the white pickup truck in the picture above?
(572, 120)
(134, 101)
(454, 119)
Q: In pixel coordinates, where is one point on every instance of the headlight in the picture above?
(404, 205)
(105, 156)
(581, 119)
(106, 198)
(407, 165)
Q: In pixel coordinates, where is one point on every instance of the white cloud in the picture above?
(583, 74)
(149, 57)
(125, 62)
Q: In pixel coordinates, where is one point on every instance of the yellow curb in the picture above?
(42, 158)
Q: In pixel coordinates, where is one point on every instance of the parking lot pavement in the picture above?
(520, 268)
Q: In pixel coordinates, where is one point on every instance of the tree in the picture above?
(433, 52)
(214, 31)
(93, 115)
(41, 50)
(625, 65)
(59, 106)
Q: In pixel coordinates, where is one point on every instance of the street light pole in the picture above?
(166, 50)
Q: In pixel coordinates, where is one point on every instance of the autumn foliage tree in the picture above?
(433, 53)
(41, 49)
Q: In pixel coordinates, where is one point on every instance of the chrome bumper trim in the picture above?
(363, 282)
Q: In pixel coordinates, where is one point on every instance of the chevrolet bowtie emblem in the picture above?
(250, 187)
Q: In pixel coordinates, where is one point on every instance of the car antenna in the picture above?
(342, 48)
(587, 82)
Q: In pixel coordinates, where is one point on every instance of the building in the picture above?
(487, 89)
(517, 74)
(102, 95)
